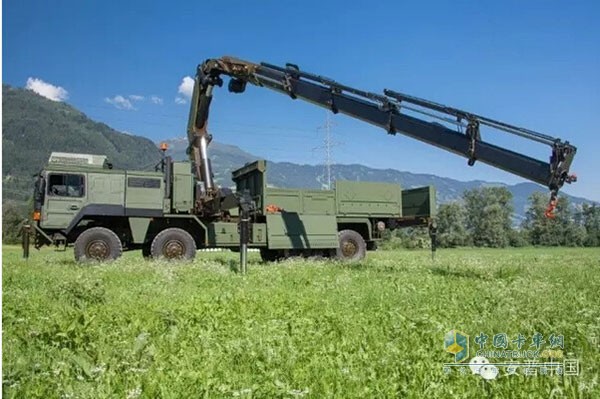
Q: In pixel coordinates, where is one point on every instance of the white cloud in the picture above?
(54, 93)
(156, 100)
(180, 100)
(127, 102)
(186, 87)
(120, 102)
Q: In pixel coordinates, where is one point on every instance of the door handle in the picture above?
(74, 207)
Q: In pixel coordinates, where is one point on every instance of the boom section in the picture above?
(389, 111)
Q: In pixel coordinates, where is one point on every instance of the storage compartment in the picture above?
(368, 199)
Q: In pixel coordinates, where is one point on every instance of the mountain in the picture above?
(33, 127)
(224, 157)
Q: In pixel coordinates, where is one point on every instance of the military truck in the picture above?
(79, 199)
(103, 211)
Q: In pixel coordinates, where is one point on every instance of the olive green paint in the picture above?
(291, 230)
(368, 199)
(296, 219)
(419, 202)
(223, 234)
(183, 188)
(139, 229)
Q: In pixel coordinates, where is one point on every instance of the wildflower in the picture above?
(134, 393)
(99, 369)
(298, 392)
(241, 392)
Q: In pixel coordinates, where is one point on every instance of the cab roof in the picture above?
(72, 159)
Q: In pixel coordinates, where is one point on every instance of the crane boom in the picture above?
(387, 110)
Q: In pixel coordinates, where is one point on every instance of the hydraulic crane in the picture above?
(387, 110)
(171, 213)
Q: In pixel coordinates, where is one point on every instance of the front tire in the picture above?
(173, 244)
(97, 244)
(352, 246)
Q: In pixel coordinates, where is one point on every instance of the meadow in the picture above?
(293, 329)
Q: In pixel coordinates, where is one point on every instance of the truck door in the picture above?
(65, 196)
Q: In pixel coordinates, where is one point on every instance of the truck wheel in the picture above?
(146, 251)
(173, 244)
(372, 246)
(97, 244)
(352, 246)
(270, 255)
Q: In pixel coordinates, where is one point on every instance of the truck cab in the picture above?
(77, 191)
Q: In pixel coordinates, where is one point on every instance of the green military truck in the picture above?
(81, 200)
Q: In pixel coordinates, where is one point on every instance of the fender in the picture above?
(109, 210)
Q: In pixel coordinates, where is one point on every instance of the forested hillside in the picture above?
(33, 126)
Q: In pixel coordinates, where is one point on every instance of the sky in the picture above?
(128, 64)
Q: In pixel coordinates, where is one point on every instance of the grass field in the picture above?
(310, 329)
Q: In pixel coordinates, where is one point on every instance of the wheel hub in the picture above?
(173, 249)
(97, 249)
(349, 248)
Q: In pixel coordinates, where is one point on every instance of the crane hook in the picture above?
(549, 213)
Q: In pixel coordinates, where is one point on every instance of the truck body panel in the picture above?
(143, 191)
(223, 234)
(292, 230)
(139, 229)
(183, 187)
(419, 202)
(106, 188)
(311, 202)
(252, 177)
(370, 199)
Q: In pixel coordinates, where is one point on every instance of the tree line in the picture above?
(483, 218)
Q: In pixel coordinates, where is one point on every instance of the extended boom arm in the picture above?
(384, 111)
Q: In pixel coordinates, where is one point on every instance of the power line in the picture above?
(328, 149)
(328, 144)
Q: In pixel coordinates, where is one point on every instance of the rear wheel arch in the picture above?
(117, 224)
(362, 228)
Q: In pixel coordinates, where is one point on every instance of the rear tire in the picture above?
(146, 251)
(173, 244)
(352, 246)
(270, 255)
(97, 244)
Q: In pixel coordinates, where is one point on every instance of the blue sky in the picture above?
(534, 64)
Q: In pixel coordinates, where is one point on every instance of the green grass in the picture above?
(293, 329)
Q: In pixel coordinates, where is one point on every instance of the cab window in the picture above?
(66, 185)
